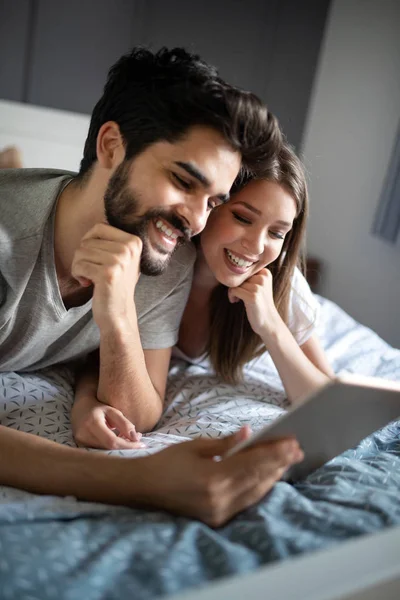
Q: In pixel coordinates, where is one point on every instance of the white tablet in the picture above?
(333, 419)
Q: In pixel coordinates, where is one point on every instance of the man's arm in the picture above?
(93, 421)
(183, 479)
(129, 379)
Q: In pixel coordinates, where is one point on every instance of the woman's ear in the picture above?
(110, 147)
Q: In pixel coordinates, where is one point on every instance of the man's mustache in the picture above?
(140, 224)
(173, 220)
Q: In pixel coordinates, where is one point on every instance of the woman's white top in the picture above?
(302, 318)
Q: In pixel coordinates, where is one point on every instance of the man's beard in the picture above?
(122, 210)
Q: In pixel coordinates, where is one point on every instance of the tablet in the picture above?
(331, 420)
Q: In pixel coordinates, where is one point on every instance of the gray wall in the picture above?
(57, 54)
(348, 144)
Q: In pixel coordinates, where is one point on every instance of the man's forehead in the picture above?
(199, 139)
(207, 159)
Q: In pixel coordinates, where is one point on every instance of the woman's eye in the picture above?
(241, 219)
(212, 204)
(277, 235)
(182, 182)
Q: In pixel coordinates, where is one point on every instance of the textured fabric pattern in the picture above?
(60, 547)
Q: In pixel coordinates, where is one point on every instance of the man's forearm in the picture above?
(40, 466)
(124, 382)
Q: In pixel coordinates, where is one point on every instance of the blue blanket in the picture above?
(47, 552)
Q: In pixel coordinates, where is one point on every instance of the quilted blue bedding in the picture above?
(51, 547)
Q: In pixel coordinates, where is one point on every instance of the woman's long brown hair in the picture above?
(232, 341)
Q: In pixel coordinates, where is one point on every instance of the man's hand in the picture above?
(97, 425)
(183, 479)
(109, 259)
(186, 480)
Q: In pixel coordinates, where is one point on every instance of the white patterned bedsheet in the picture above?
(197, 404)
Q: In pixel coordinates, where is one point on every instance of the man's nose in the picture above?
(196, 213)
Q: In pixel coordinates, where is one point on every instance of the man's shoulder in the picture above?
(180, 268)
(178, 272)
(182, 259)
(27, 197)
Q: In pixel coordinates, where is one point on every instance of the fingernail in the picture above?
(141, 445)
(133, 435)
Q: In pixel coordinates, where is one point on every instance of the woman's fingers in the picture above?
(100, 431)
(116, 420)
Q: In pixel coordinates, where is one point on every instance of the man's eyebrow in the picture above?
(194, 172)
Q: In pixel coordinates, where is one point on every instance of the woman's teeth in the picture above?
(240, 262)
(168, 232)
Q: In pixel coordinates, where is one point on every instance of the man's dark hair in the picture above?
(159, 96)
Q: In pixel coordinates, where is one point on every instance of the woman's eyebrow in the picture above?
(250, 207)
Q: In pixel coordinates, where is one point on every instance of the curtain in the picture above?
(387, 217)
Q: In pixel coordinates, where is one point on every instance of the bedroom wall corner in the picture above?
(349, 137)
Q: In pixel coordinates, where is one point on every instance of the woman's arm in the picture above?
(315, 353)
(302, 369)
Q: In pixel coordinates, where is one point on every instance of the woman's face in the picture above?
(247, 233)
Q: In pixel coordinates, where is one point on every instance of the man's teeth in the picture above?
(238, 261)
(166, 230)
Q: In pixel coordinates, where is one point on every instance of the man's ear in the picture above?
(110, 147)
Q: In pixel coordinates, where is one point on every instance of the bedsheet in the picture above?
(61, 547)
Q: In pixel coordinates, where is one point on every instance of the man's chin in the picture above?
(154, 266)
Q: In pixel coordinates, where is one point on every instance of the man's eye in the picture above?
(213, 203)
(182, 182)
(241, 219)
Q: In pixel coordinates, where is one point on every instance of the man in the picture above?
(166, 141)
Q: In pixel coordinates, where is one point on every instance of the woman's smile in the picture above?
(237, 262)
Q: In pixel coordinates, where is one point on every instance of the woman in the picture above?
(238, 308)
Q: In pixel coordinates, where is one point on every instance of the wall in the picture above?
(352, 122)
(57, 54)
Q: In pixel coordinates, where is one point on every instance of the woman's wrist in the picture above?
(272, 329)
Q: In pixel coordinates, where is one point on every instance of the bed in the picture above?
(53, 547)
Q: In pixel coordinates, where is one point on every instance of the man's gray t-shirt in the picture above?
(36, 330)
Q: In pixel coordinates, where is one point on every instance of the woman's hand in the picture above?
(96, 425)
(257, 295)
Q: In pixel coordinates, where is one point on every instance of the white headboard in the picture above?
(46, 137)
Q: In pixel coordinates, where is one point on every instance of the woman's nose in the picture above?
(254, 244)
